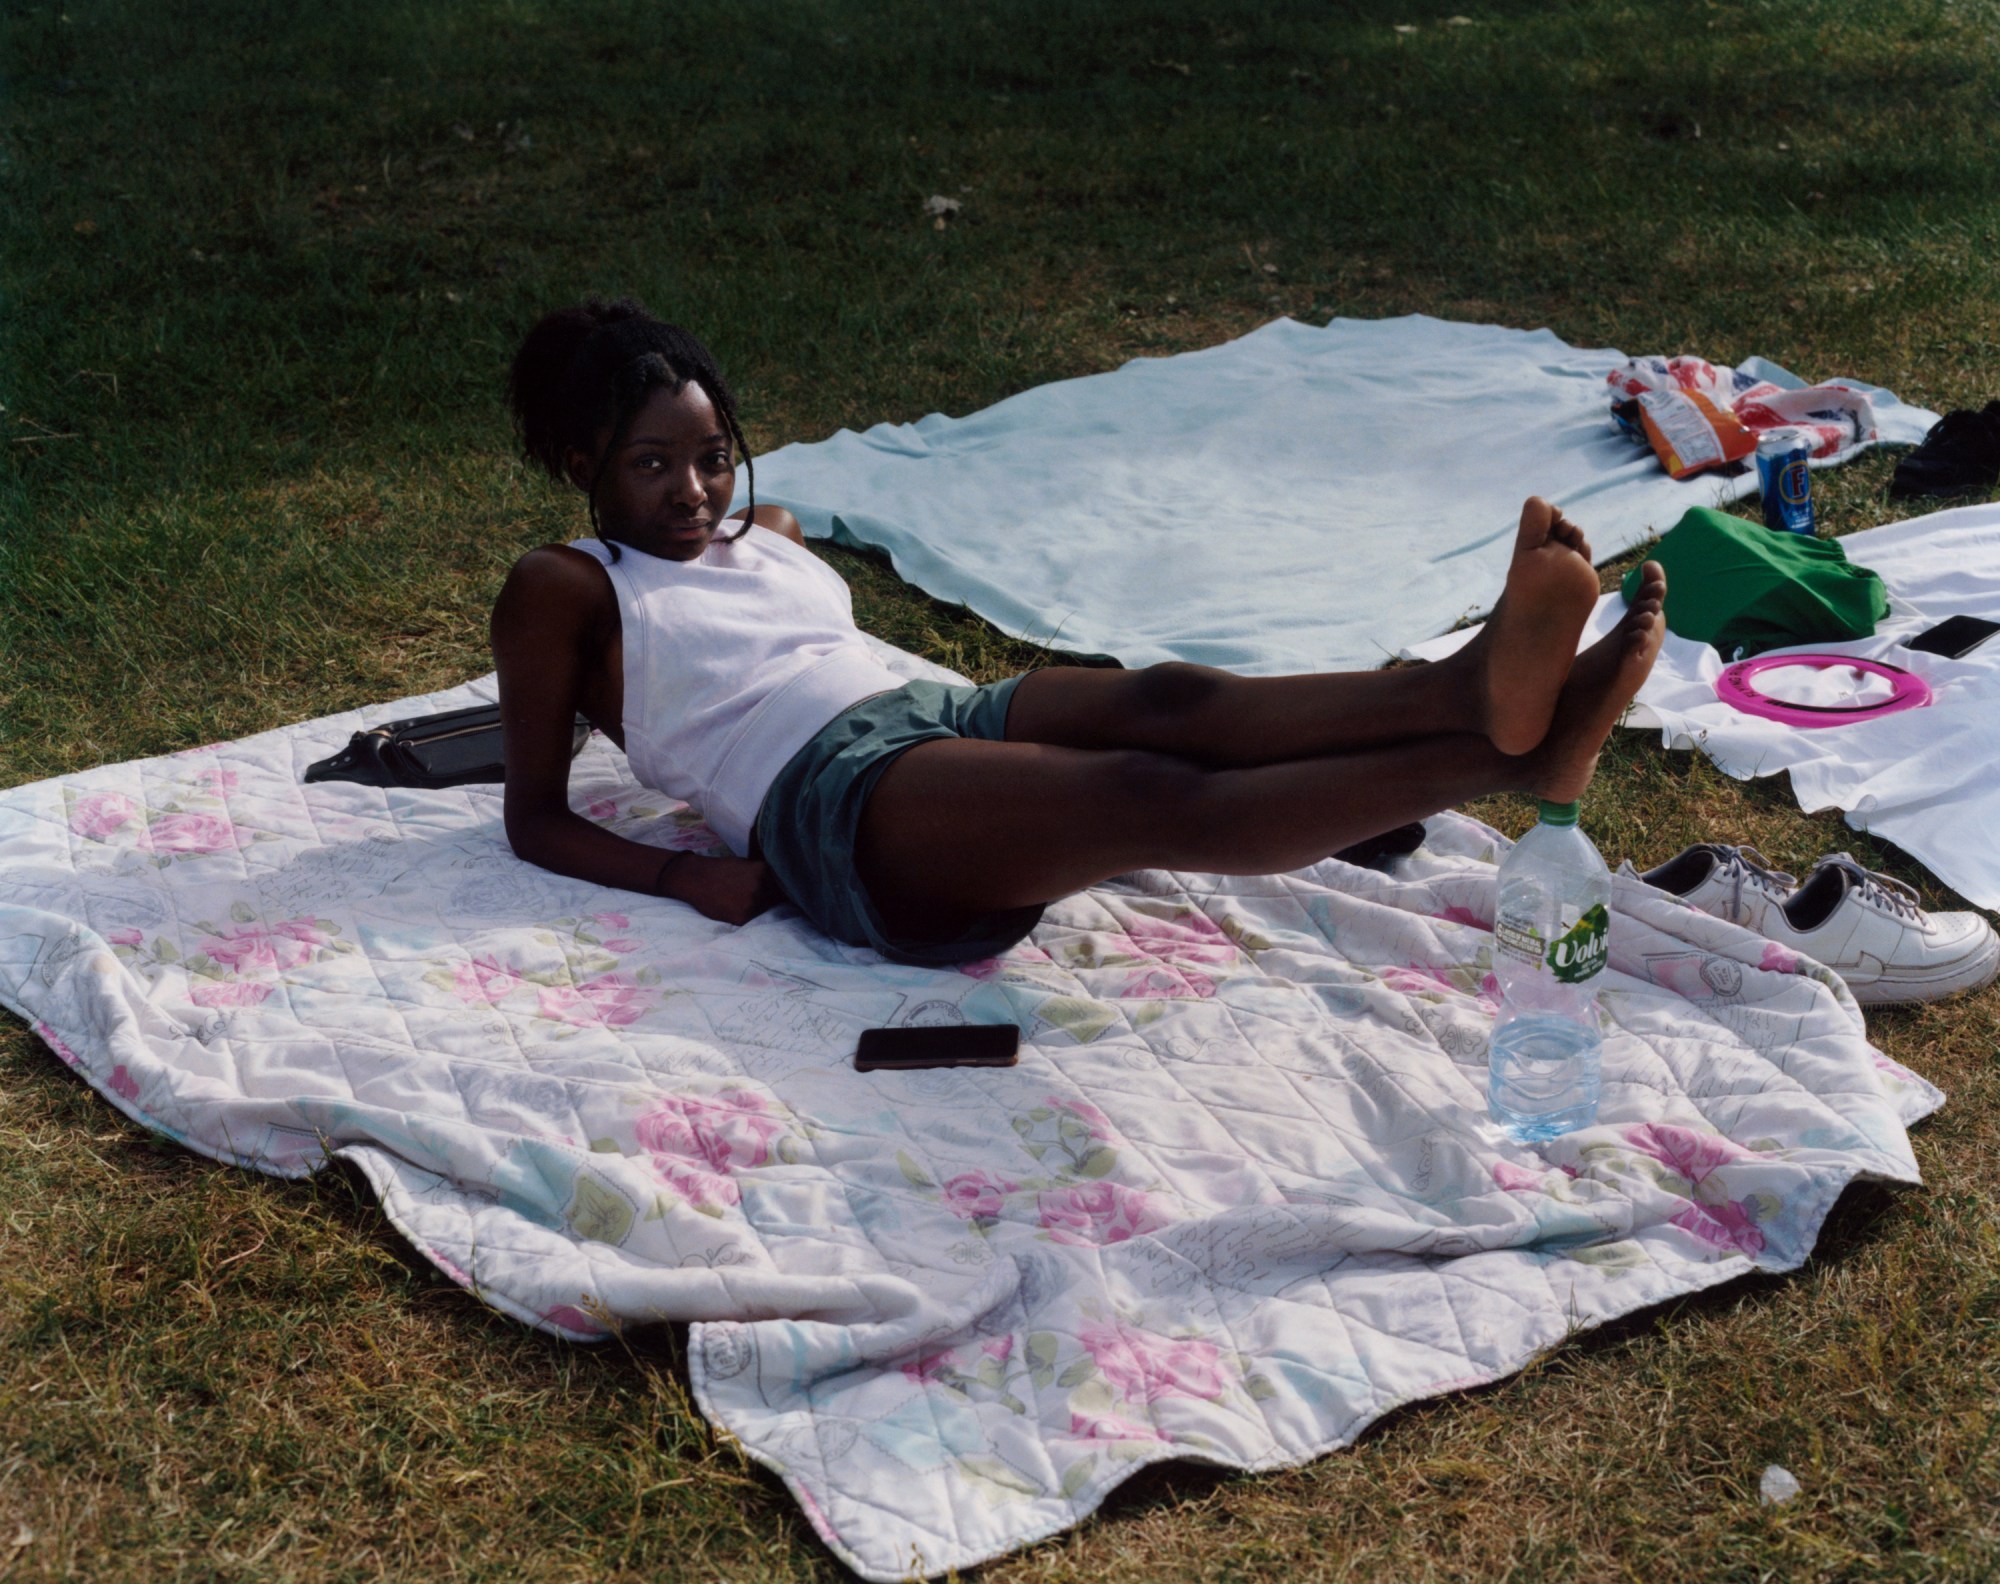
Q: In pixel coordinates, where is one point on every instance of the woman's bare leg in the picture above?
(1503, 684)
(958, 828)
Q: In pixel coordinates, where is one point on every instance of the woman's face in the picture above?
(667, 487)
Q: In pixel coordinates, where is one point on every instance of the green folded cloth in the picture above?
(1746, 588)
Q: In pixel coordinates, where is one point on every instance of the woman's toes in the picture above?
(1566, 533)
(1538, 520)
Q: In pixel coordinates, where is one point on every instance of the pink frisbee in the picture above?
(1734, 688)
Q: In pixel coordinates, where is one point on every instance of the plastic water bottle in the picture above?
(1551, 933)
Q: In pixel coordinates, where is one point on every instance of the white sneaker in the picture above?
(1736, 884)
(1868, 928)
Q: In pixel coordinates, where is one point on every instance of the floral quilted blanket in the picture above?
(1239, 1198)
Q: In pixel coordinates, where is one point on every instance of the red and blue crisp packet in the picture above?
(1698, 416)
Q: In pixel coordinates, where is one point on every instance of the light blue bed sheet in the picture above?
(1299, 499)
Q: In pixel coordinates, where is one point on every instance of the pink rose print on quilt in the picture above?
(1145, 1367)
(242, 967)
(1109, 1427)
(1685, 1151)
(975, 1196)
(1516, 1179)
(1093, 1121)
(694, 837)
(189, 835)
(611, 1000)
(932, 1367)
(984, 1373)
(1416, 979)
(733, 1128)
(1097, 1213)
(483, 981)
(1693, 1155)
(615, 925)
(1778, 959)
(96, 816)
(1173, 952)
(276, 947)
(709, 1192)
(1025, 955)
(55, 1043)
(230, 993)
(1729, 1224)
(697, 1142)
(1425, 979)
(1076, 1145)
(1166, 983)
(998, 1349)
(955, 1367)
(951, 1365)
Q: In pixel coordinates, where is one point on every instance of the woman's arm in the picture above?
(549, 621)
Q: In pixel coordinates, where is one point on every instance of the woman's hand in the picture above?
(729, 890)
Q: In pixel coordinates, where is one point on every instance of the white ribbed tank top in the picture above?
(733, 662)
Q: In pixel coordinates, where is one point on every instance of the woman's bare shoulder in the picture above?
(555, 584)
(776, 519)
(561, 566)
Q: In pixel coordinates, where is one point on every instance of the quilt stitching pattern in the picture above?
(1238, 1200)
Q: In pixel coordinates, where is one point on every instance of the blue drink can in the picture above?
(1784, 480)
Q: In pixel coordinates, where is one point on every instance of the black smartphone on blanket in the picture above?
(1954, 637)
(939, 1045)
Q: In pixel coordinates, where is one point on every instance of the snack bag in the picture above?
(1836, 418)
(1695, 415)
(1684, 373)
(1690, 431)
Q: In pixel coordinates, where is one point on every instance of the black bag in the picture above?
(456, 748)
(1376, 851)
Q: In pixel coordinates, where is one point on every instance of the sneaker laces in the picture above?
(1747, 865)
(1884, 891)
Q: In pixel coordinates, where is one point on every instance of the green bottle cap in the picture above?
(1558, 813)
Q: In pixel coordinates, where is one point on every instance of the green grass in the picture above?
(261, 268)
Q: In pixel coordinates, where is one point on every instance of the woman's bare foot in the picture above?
(1601, 684)
(1523, 653)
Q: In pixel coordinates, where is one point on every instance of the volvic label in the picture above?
(1518, 938)
(1580, 952)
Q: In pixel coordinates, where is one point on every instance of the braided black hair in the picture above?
(587, 368)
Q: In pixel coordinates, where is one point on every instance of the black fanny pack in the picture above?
(457, 748)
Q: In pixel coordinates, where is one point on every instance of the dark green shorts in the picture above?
(811, 816)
